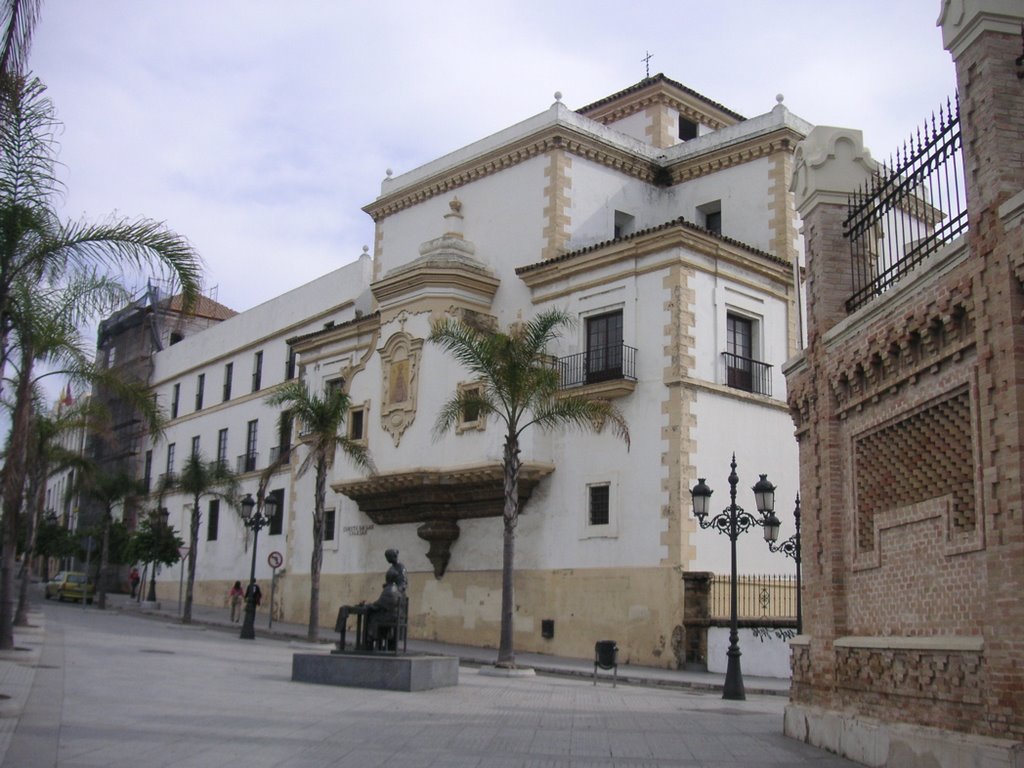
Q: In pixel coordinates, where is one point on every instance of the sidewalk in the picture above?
(469, 655)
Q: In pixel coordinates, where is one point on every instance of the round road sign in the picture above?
(274, 559)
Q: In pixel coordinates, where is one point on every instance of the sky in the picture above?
(259, 129)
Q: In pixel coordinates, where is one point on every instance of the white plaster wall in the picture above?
(265, 327)
(634, 125)
(763, 443)
(729, 290)
(743, 192)
(760, 656)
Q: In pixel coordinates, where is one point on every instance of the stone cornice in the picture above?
(783, 139)
(690, 109)
(588, 147)
(677, 233)
(435, 279)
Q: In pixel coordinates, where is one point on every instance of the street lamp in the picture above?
(791, 548)
(160, 517)
(732, 521)
(267, 505)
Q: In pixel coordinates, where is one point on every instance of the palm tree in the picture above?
(322, 419)
(198, 479)
(520, 388)
(45, 455)
(110, 489)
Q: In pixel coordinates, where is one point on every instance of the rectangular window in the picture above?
(229, 371)
(222, 447)
(739, 352)
(356, 423)
(212, 519)
(147, 473)
(599, 511)
(277, 521)
(195, 447)
(329, 519)
(625, 224)
(175, 399)
(290, 366)
(604, 347)
(249, 460)
(200, 386)
(170, 459)
(687, 129)
(257, 372)
(710, 215)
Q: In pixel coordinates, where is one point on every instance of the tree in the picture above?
(38, 250)
(155, 542)
(322, 419)
(519, 387)
(199, 479)
(110, 489)
(53, 540)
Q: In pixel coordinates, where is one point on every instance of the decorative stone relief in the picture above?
(400, 362)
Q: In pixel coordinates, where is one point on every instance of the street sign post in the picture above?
(274, 560)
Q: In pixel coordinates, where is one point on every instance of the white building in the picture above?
(659, 219)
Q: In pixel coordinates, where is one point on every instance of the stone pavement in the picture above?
(473, 656)
(117, 688)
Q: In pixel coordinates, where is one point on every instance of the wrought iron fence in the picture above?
(747, 374)
(599, 364)
(758, 597)
(909, 209)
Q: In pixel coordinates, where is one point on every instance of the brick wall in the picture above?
(910, 418)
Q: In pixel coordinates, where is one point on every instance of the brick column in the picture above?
(829, 165)
(984, 38)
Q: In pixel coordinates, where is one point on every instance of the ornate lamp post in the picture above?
(159, 517)
(791, 548)
(732, 521)
(267, 505)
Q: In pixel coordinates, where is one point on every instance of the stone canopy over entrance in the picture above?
(438, 498)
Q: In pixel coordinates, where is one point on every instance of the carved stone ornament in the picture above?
(400, 363)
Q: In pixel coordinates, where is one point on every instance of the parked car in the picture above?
(70, 585)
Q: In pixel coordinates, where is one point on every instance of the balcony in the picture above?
(282, 452)
(747, 374)
(246, 463)
(606, 372)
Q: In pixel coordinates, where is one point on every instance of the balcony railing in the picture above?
(280, 451)
(246, 463)
(747, 374)
(598, 364)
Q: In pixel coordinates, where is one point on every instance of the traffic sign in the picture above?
(274, 559)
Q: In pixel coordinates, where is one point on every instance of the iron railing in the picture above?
(757, 597)
(246, 463)
(909, 209)
(599, 364)
(280, 451)
(747, 374)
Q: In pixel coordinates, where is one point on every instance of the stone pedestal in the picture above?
(407, 672)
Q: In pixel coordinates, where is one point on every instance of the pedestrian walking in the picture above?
(133, 580)
(235, 600)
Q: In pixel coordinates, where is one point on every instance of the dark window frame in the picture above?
(604, 340)
(212, 519)
(599, 504)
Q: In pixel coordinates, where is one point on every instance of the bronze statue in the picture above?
(380, 624)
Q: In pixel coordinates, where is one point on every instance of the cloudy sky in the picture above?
(258, 129)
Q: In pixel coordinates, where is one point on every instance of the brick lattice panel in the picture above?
(934, 675)
(926, 455)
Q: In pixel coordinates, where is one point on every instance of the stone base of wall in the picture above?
(876, 743)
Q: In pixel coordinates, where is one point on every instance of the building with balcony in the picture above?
(662, 222)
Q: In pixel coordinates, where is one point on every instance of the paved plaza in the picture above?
(120, 690)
